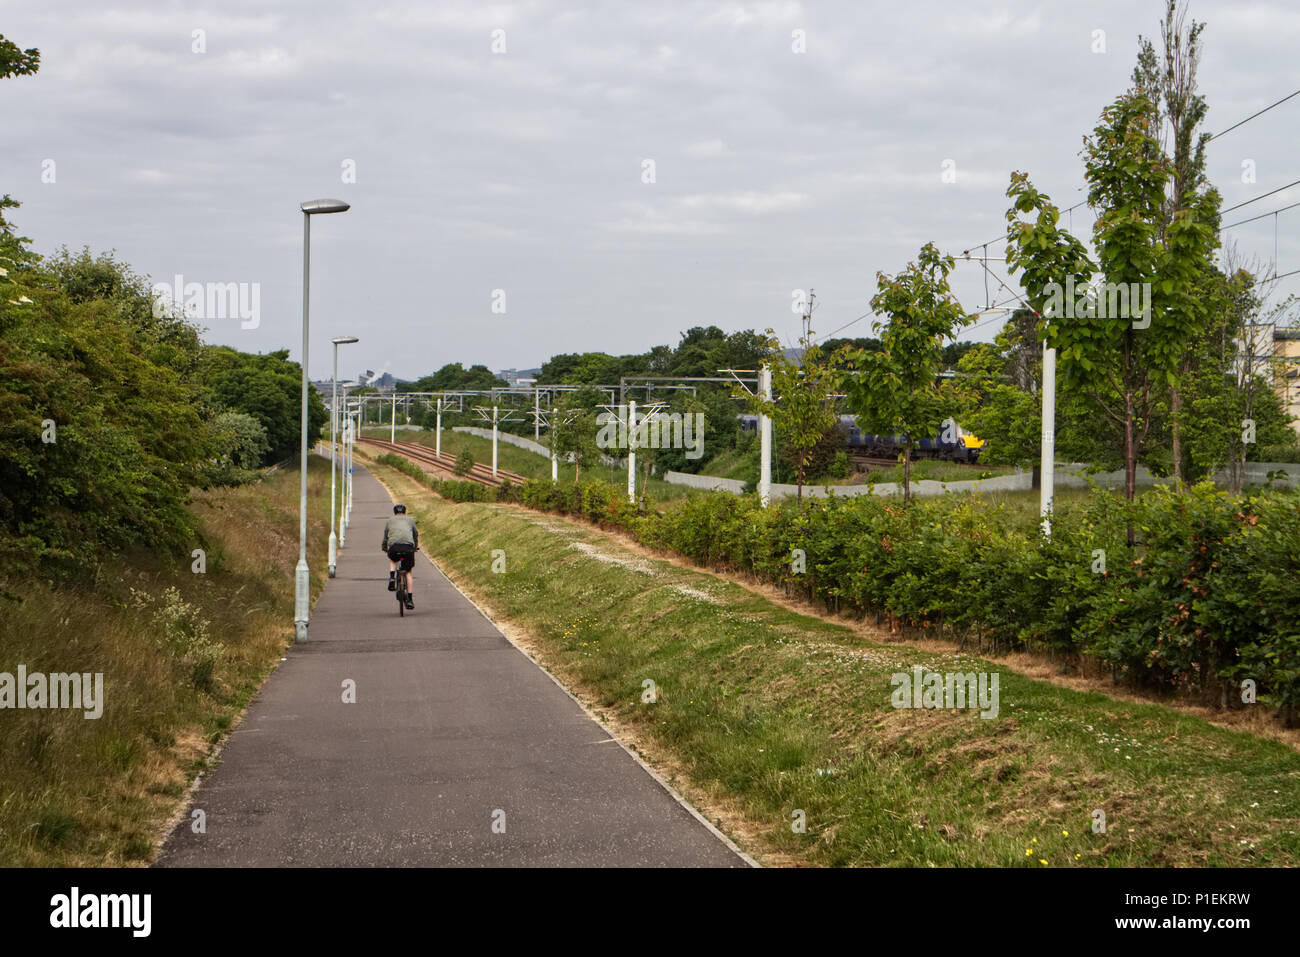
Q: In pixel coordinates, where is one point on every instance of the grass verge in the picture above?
(764, 716)
(182, 653)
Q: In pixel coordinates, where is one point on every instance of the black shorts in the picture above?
(403, 553)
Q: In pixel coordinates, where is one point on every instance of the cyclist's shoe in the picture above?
(392, 582)
(410, 603)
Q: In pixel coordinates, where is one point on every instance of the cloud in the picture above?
(476, 170)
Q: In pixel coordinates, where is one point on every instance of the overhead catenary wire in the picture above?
(1260, 196)
(1242, 222)
(983, 260)
(1253, 115)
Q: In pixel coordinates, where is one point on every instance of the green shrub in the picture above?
(1206, 599)
(182, 634)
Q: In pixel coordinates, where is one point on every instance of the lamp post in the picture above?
(765, 439)
(334, 418)
(345, 438)
(354, 426)
(302, 578)
(1047, 464)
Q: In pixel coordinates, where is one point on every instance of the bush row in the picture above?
(454, 489)
(1208, 596)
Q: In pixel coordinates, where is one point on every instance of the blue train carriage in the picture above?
(952, 443)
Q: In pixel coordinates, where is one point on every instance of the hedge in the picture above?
(1209, 597)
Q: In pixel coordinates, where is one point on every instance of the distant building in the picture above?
(1275, 350)
(380, 383)
(517, 377)
(1286, 348)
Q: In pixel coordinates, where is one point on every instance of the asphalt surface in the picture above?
(454, 733)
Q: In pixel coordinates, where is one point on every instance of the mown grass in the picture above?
(762, 712)
(79, 792)
(936, 470)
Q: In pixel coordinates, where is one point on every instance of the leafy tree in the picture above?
(83, 277)
(1119, 361)
(589, 368)
(267, 387)
(1005, 416)
(953, 352)
(801, 406)
(453, 376)
(1171, 84)
(574, 429)
(99, 444)
(896, 391)
(17, 62)
(240, 444)
(1232, 410)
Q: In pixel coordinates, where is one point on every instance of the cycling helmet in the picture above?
(399, 509)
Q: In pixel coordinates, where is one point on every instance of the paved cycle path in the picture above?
(453, 730)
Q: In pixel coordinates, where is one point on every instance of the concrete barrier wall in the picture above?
(1067, 476)
(508, 437)
(1257, 474)
(1021, 480)
(707, 482)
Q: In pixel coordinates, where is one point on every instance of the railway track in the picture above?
(868, 463)
(445, 464)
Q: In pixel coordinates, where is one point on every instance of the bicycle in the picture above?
(404, 566)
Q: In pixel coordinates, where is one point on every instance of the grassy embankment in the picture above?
(763, 711)
(179, 668)
(744, 466)
(527, 464)
(729, 464)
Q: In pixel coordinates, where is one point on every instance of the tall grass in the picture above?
(181, 654)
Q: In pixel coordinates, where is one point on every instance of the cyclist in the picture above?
(401, 542)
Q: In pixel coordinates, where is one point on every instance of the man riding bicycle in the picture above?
(401, 541)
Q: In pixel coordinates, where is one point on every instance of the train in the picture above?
(952, 443)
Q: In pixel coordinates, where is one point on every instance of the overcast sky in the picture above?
(523, 170)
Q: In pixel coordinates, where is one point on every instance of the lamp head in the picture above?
(314, 206)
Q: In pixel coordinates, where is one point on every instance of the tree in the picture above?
(801, 407)
(1232, 410)
(453, 376)
(239, 445)
(17, 62)
(1182, 110)
(1121, 352)
(99, 444)
(1004, 415)
(267, 387)
(573, 430)
(84, 277)
(895, 391)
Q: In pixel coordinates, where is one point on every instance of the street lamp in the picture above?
(334, 416)
(345, 469)
(302, 579)
(354, 423)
